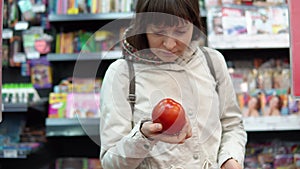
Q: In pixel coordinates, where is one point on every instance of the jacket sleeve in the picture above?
(121, 146)
(234, 136)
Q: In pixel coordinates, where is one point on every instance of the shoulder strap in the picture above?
(210, 65)
(131, 96)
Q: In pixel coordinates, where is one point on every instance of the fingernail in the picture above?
(158, 126)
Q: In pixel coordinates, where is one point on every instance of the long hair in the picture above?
(163, 12)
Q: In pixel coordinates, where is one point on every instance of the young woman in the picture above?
(254, 107)
(163, 45)
(275, 106)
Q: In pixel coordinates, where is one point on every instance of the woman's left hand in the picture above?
(231, 164)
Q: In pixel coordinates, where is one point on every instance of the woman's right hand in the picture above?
(153, 131)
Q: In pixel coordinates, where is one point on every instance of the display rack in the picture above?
(272, 123)
(106, 55)
(78, 127)
(15, 107)
(249, 41)
(100, 16)
(89, 17)
(20, 151)
(72, 126)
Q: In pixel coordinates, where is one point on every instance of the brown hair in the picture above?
(258, 103)
(186, 9)
(280, 102)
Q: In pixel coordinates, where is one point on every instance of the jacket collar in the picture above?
(147, 57)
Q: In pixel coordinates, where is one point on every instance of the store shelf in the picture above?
(249, 41)
(272, 123)
(89, 17)
(19, 150)
(15, 107)
(72, 126)
(107, 55)
(85, 126)
(101, 16)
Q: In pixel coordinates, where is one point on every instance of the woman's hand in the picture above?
(153, 131)
(231, 164)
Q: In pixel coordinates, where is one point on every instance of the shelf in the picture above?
(15, 107)
(89, 17)
(100, 16)
(272, 123)
(249, 41)
(19, 150)
(72, 126)
(107, 55)
(80, 127)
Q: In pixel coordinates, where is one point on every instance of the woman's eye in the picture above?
(180, 32)
(159, 33)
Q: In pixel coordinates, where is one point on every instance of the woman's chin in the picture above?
(168, 58)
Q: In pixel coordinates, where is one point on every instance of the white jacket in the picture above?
(217, 130)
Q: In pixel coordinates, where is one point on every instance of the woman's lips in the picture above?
(168, 54)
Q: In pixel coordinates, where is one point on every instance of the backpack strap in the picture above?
(210, 65)
(131, 96)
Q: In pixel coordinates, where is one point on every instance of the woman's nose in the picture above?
(169, 43)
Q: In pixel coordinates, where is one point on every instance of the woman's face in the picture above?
(274, 102)
(252, 103)
(168, 43)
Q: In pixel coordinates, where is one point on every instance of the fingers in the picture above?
(155, 127)
(232, 164)
(153, 131)
(173, 139)
(187, 129)
(189, 133)
(149, 129)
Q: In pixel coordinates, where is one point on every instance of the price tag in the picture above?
(19, 57)
(10, 153)
(33, 55)
(22, 25)
(38, 8)
(7, 33)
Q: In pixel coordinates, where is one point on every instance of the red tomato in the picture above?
(170, 114)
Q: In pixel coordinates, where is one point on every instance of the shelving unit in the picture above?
(20, 152)
(80, 127)
(15, 107)
(89, 17)
(101, 16)
(249, 41)
(72, 127)
(66, 133)
(272, 123)
(106, 55)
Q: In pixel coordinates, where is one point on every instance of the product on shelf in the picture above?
(57, 105)
(77, 163)
(275, 154)
(83, 105)
(41, 74)
(252, 26)
(19, 93)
